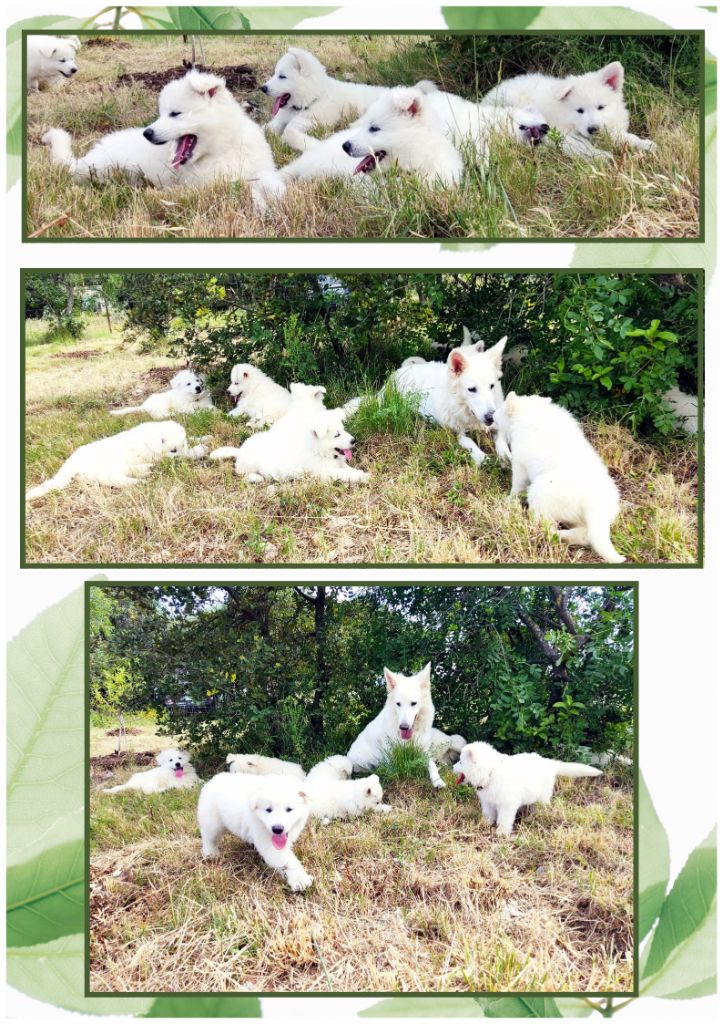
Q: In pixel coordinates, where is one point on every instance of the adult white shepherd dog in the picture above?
(202, 134)
(407, 715)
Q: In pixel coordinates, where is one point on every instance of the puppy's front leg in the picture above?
(476, 453)
(506, 819)
(502, 448)
(287, 863)
(520, 479)
(437, 781)
(633, 140)
(575, 146)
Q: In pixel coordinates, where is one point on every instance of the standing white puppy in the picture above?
(174, 771)
(507, 782)
(186, 393)
(268, 812)
(257, 764)
(50, 58)
(408, 714)
(565, 478)
(579, 106)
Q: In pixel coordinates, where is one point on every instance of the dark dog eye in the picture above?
(414, 703)
(601, 107)
(175, 113)
(374, 128)
(581, 110)
(269, 810)
(491, 386)
(399, 704)
(523, 127)
(289, 810)
(473, 390)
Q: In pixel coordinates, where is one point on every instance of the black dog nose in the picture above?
(73, 70)
(544, 128)
(199, 389)
(489, 418)
(592, 129)
(277, 829)
(346, 146)
(148, 134)
(264, 88)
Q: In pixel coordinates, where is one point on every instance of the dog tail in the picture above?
(61, 152)
(224, 453)
(426, 86)
(414, 361)
(127, 411)
(352, 406)
(115, 789)
(598, 531)
(574, 770)
(56, 483)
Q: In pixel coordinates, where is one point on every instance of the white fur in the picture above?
(312, 98)
(444, 748)
(50, 59)
(579, 106)
(408, 714)
(506, 782)
(258, 397)
(186, 393)
(446, 391)
(174, 771)
(123, 459)
(251, 807)
(565, 478)
(229, 146)
(334, 768)
(257, 764)
(305, 442)
(685, 407)
(345, 798)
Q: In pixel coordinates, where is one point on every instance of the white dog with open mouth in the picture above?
(186, 393)
(123, 459)
(408, 714)
(50, 59)
(257, 764)
(314, 444)
(174, 771)
(305, 96)
(463, 394)
(201, 135)
(507, 782)
(267, 811)
(565, 478)
(579, 106)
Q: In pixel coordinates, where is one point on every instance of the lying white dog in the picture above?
(305, 96)
(408, 714)
(257, 764)
(202, 134)
(565, 478)
(345, 798)
(268, 812)
(258, 397)
(334, 768)
(186, 393)
(123, 459)
(49, 59)
(463, 394)
(506, 782)
(297, 446)
(446, 749)
(174, 771)
(579, 106)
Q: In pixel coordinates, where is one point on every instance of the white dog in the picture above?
(50, 58)
(345, 798)
(334, 768)
(565, 478)
(269, 812)
(506, 782)
(257, 764)
(446, 749)
(201, 135)
(258, 397)
(186, 393)
(174, 771)
(463, 394)
(579, 106)
(408, 714)
(123, 459)
(305, 96)
(298, 445)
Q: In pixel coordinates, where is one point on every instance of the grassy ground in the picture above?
(425, 898)
(140, 735)
(426, 501)
(526, 194)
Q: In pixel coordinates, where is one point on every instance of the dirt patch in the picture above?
(123, 732)
(103, 766)
(239, 77)
(81, 353)
(107, 42)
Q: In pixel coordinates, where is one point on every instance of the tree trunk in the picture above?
(107, 315)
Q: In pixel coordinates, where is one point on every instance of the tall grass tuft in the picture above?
(403, 761)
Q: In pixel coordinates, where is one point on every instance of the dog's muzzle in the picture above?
(150, 135)
(593, 129)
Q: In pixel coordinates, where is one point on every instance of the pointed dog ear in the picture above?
(48, 51)
(457, 362)
(205, 84)
(496, 351)
(466, 336)
(510, 402)
(407, 101)
(390, 678)
(230, 758)
(613, 75)
(425, 676)
(567, 88)
(306, 62)
(304, 796)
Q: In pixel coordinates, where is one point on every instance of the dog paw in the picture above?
(298, 880)
(439, 784)
(383, 808)
(211, 853)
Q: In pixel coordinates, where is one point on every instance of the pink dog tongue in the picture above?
(280, 102)
(178, 772)
(184, 148)
(279, 841)
(367, 164)
(346, 452)
(406, 734)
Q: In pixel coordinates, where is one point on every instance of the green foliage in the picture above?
(403, 761)
(391, 413)
(54, 297)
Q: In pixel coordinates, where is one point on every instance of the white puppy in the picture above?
(186, 393)
(174, 771)
(123, 459)
(305, 96)
(408, 714)
(463, 394)
(446, 749)
(50, 58)
(269, 812)
(298, 445)
(331, 768)
(579, 106)
(259, 398)
(345, 798)
(506, 782)
(565, 478)
(201, 135)
(257, 764)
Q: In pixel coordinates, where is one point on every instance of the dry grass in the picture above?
(526, 194)
(140, 736)
(426, 898)
(426, 501)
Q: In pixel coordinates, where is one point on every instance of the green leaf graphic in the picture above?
(520, 1006)
(654, 869)
(45, 896)
(205, 1006)
(682, 950)
(413, 1006)
(207, 19)
(490, 17)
